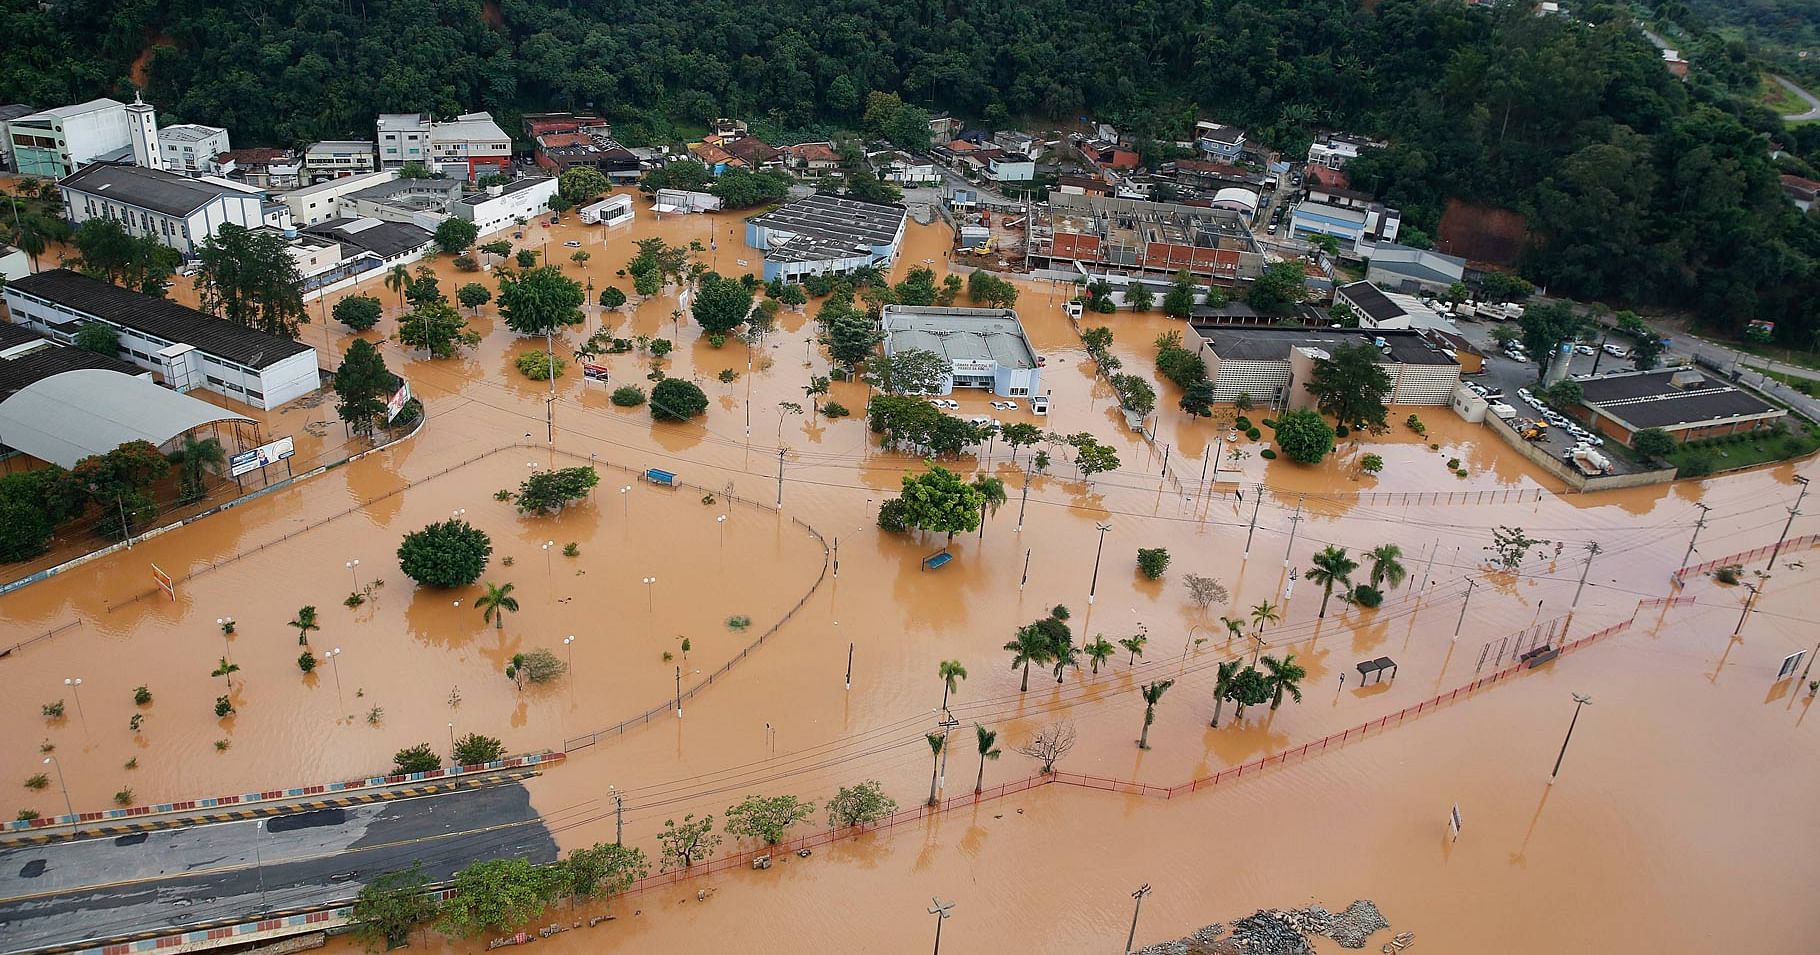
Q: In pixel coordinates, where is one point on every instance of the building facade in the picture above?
(338, 158)
(823, 233)
(500, 206)
(177, 211)
(189, 149)
(467, 147)
(186, 348)
(60, 141)
(1270, 364)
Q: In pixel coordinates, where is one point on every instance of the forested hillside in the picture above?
(1638, 186)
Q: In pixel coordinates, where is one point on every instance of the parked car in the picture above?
(1584, 349)
(1614, 351)
(1004, 405)
(573, 244)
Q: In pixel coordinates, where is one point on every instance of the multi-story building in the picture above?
(501, 206)
(188, 148)
(261, 167)
(986, 347)
(57, 142)
(1215, 139)
(186, 348)
(1133, 237)
(1271, 364)
(321, 201)
(8, 113)
(178, 211)
(419, 202)
(467, 147)
(338, 158)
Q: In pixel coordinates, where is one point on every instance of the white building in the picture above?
(338, 158)
(683, 201)
(1337, 149)
(502, 206)
(1404, 269)
(907, 170)
(322, 201)
(822, 234)
(1272, 364)
(8, 113)
(466, 147)
(1011, 167)
(613, 210)
(986, 346)
(420, 202)
(186, 348)
(178, 211)
(57, 142)
(14, 263)
(189, 149)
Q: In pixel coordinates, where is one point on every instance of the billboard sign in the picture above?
(261, 456)
(1789, 664)
(399, 399)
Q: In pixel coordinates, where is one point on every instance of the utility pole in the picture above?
(679, 692)
(1023, 500)
(1294, 519)
(849, 665)
(1749, 602)
(1095, 585)
(1698, 524)
(1165, 460)
(939, 909)
(1256, 502)
(549, 404)
(1470, 584)
(837, 558)
(780, 478)
(1205, 454)
(1592, 550)
(1428, 571)
(1026, 578)
(1580, 699)
(619, 816)
(1142, 891)
(1793, 513)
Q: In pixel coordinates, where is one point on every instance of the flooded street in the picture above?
(1677, 824)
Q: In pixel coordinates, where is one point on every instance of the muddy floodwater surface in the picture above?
(1677, 823)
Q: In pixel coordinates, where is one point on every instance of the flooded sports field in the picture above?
(1676, 823)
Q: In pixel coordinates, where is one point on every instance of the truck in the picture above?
(1500, 311)
(1589, 461)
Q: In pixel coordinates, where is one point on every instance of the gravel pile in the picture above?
(1313, 920)
(1176, 947)
(1352, 927)
(1269, 933)
(1197, 942)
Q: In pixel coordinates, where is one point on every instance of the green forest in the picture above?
(1638, 187)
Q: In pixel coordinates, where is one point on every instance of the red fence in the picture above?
(1745, 557)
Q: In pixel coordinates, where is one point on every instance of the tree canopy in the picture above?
(540, 300)
(1351, 385)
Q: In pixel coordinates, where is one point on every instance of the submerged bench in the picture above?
(937, 560)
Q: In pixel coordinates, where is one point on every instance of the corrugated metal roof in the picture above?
(164, 319)
(65, 418)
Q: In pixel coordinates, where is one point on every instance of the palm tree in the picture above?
(1135, 644)
(1098, 651)
(950, 671)
(1331, 566)
(1061, 653)
(1222, 688)
(193, 459)
(30, 239)
(228, 670)
(398, 280)
(935, 768)
(1385, 566)
(1030, 646)
(1264, 613)
(988, 744)
(1152, 693)
(1285, 674)
(1235, 627)
(305, 622)
(993, 491)
(495, 603)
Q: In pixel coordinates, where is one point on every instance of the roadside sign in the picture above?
(261, 456)
(1789, 664)
(164, 582)
(1453, 822)
(399, 399)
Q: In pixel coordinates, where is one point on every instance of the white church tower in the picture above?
(142, 121)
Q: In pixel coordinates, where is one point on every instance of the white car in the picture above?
(1517, 357)
(573, 244)
(1584, 349)
(1003, 405)
(1614, 351)
(980, 420)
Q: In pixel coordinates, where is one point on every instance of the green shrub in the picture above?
(1254, 434)
(52, 711)
(415, 759)
(1698, 464)
(1728, 574)
(891, 516)
(1341, 431)
(1453, 464)
(1242, 423)
(124, 797)
(628, 396)
(536, 365)
(1153, 561)
(306, 661)
(835, 409)
(223, 708)
(1366, 595)
(1267, 454)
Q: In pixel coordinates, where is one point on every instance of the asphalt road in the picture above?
(1812, 101)
(104, 887)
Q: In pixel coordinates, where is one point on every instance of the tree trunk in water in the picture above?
(979, 782)
(1144, 737)
(1218, 702)
(1026, 687)
(1325, 593)
(933, 770)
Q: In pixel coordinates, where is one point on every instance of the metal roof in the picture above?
(959, 334)
(158, 317)
(1652, 399)
(834, 218)
(384, 239)
(1274, 344)
(66, 112)
(65, 418)
(152, 189)
(27, 357)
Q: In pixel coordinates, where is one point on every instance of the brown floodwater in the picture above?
(1650, 820)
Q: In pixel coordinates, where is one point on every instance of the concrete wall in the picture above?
(1574, 480)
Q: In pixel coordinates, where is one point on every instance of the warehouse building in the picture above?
(1100, 235)
(986, 346)
(186, 348)
(823, 234)
(1272, 364)
(177, 211)
(1681, 401)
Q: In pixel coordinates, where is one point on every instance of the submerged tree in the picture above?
(1153, 693)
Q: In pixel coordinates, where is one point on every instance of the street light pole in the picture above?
(1142, 891)
(1470, 584)
(354, 571)
(1580, 699)
(75, 685)
(1095, 584)
(650, 601)
(939, 909)
(569, 643)
(335, 664)
(1793, 513)
(64, 784)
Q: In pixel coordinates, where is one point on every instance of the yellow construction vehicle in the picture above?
(1534, 430)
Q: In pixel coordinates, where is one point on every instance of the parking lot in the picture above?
(1502, 374)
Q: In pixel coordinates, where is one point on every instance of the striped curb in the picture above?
(273, 795)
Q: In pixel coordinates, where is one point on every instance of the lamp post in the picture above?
(63, 783)
(625, 502)
(227, 626)
(75, 685)
(650, 602)
(550, 567)
(1580, 699)
(451, 739)
(940, 910)
(569, 642)
(458, 513)
(354, 571)
(722, 521)
(335, 664)
(1103, 527)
